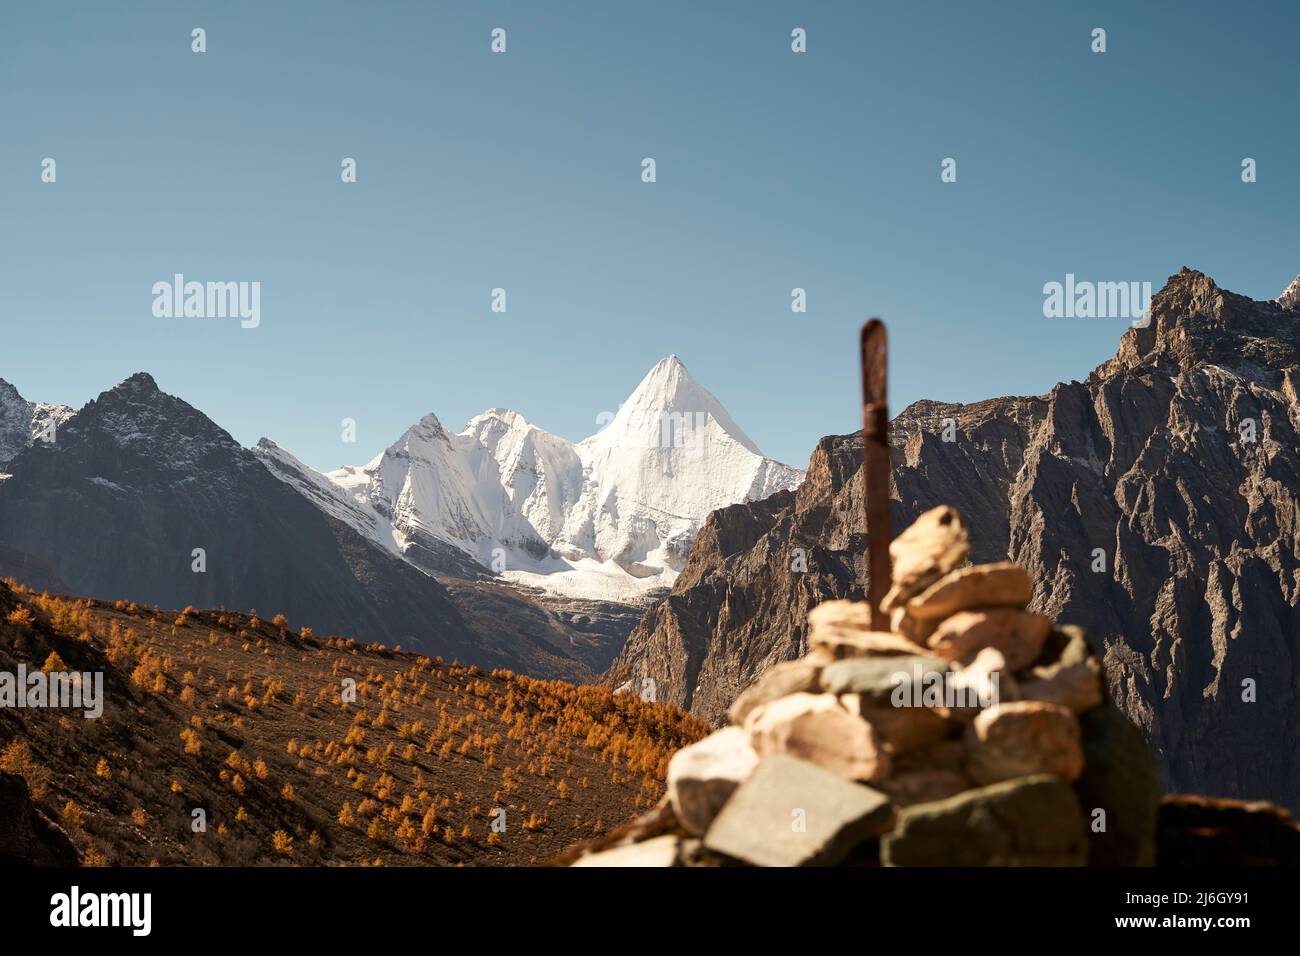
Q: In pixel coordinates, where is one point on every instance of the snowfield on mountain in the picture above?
(22, 422)
(611, 517)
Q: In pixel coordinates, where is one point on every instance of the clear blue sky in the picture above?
(522, 170)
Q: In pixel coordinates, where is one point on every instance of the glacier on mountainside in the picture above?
(610, 517)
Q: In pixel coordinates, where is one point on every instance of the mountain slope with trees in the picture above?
(296, 748)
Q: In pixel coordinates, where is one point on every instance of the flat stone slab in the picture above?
(817, 728)
(981, 585)
(660, 851)
(1028, 821)
(901, 730)
(793, 813)
(854, 615)
(839, 643)
(875, 679)
(1019, 635)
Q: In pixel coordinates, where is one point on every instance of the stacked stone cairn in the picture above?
(973, 732)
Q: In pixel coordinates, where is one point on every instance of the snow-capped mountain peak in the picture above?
(21, 421)
(669, 405)
(540, 472)
(667, 458)
(428, 428)
(611, 516)
(1290, 297)
(506, 416)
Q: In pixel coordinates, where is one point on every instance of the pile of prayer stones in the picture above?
(973, 732)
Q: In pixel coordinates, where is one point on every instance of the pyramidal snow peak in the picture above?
(667, 458)
(666, 393)
(611, 517)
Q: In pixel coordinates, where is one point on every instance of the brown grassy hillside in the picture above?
(244, 719)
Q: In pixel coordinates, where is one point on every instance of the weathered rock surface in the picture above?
(875, 679)
(931, 546)
(837, 644)
(854, 616)
(817, 728)
(702, 776)
(1030, 821)
(980, 585)
(1178, 461)
(1023, 738)
(901, 730)
(793, 813)
(1077, 687)
(655, 852)
(1019, 635)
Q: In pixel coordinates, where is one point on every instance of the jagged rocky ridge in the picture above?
(22, 421)
(1173, 469)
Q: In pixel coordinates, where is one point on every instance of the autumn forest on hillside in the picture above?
(242, 722)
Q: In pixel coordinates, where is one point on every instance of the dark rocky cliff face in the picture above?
(1155, 504)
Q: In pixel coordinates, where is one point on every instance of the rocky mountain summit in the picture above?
(973, 733)
(21, 421)
(1155, 504)
(1290, 297)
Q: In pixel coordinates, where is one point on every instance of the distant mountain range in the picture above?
(1156, 503)
(141, 496)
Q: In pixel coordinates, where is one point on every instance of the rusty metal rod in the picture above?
(875, 465)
